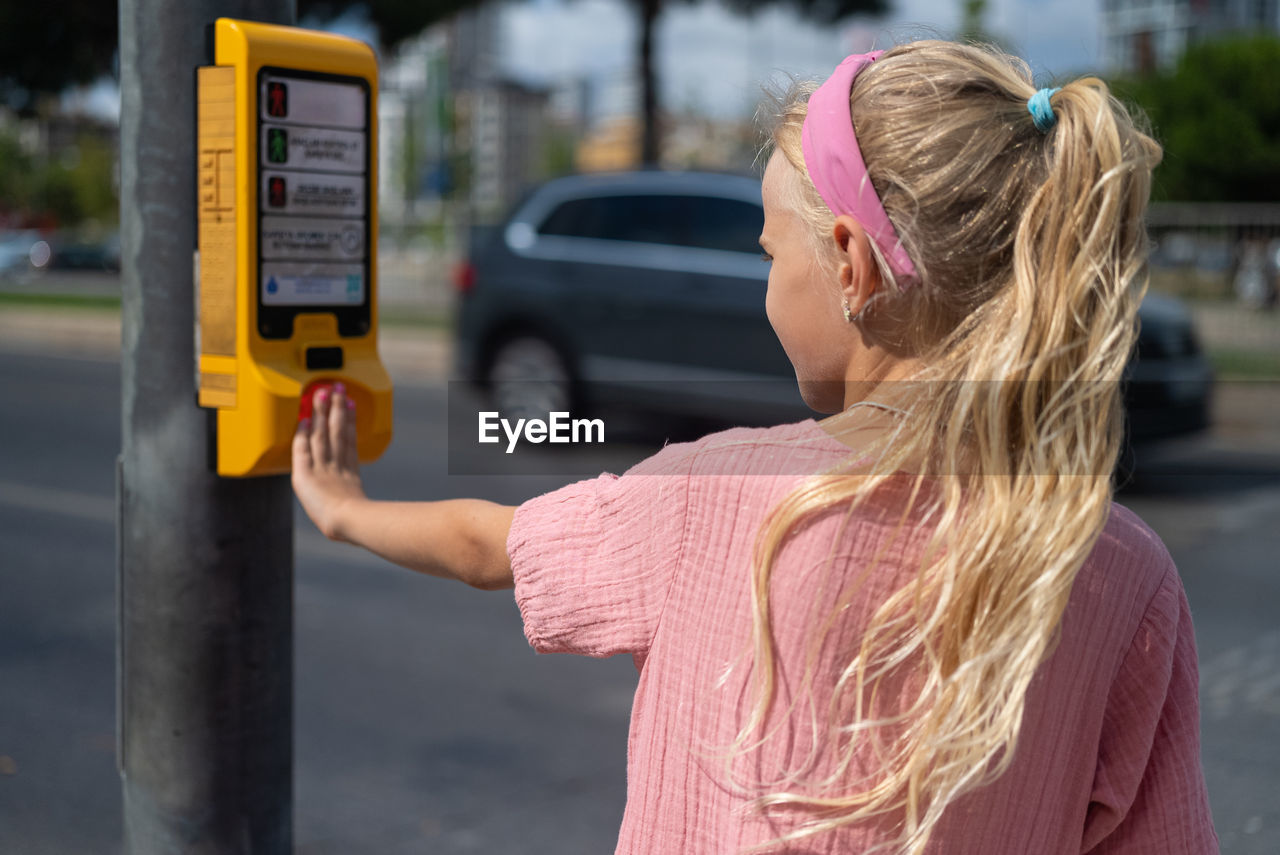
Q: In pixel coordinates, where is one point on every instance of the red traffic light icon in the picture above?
(276, 195)
(277, 99)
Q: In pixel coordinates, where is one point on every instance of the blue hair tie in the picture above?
(1042, 110)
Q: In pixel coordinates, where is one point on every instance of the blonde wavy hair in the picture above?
(1031, 250)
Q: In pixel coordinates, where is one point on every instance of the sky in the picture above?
(716, 62)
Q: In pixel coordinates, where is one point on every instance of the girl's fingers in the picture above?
(329, 437)
(320, 448)
(337, 419)
(350, 457)
(302, 444)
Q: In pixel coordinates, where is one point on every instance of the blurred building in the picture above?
(500, 122)
(505, 123)
(609, 137)
(1140, 36)
(415, 125)
(689, 141)
(612, 144)
(474, 42)
(695, 141)
(570, 104)
(453, 127)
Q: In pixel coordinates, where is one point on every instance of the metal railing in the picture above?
(1219, 251)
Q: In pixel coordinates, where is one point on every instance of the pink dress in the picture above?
(655, 564)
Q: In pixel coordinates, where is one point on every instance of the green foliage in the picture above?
(90, 180)
(559, 151)
(973, 21)
(14, 174)
(70, 190)
(1218, 117)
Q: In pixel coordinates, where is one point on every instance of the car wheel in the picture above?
(528, 378)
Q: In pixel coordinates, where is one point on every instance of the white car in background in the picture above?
(22, 251)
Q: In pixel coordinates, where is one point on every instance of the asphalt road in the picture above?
(423, 721)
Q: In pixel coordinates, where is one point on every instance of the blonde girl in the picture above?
(920, 625)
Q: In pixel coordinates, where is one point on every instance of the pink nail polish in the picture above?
(351, 404)
(340, 387)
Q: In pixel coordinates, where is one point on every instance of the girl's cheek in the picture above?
(770, 308)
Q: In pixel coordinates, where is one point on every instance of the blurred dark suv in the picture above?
(649, 286)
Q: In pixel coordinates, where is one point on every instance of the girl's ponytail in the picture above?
(1030, 246)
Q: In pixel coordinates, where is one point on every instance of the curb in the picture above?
(413, 356)
(1244, 412)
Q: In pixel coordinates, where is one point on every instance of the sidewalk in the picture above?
(1225, 325)
(417, 355)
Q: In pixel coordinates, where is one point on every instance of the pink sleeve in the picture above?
(1149, 795)
(593, 561)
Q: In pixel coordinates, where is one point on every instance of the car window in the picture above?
(575, 218)
(704, 222)
(639, 219)
(726, 224)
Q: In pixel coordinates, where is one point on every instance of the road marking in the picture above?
(1245, 678)
(1250, 511)
(85, 506)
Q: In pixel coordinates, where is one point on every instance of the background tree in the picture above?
(1218, 117)
(399, 19)
(71, 190)
(821, 11)
(395, 20)
(46, 47)
(973, 21)
(973, 27)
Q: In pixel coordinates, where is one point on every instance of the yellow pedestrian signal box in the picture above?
(286, 147)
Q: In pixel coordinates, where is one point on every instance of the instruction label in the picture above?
(285, 147)
(313, 193)
(313, 228)
(293, 284)
(312, 238)
(304, 101)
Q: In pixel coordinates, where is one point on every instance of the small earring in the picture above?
(848, 317)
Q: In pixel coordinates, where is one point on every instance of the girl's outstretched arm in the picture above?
(463, 539)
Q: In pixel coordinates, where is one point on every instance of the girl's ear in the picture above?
(859, 276)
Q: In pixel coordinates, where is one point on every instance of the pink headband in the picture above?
(835, 162)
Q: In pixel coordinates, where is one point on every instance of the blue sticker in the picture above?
(272, 287)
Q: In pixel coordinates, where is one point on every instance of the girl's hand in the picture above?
(326, 476)
(463, 539)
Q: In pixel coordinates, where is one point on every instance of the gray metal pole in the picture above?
(205, 644)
